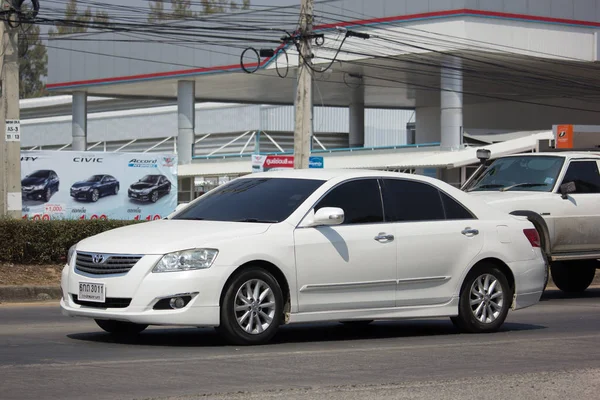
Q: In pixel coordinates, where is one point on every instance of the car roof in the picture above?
(564, 154)
(329, 174)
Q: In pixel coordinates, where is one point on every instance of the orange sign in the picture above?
(564, 137)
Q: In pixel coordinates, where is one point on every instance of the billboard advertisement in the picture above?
(90, 185)
(279, 162)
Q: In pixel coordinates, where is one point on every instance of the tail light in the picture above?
(533, 237)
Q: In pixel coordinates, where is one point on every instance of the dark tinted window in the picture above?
(40, 174)
(585, 175)
(252, 200)
(454, 210)
(360, 200)
(412, 201)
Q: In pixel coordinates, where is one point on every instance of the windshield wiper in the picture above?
(523, 185)
(260, 221)
(487, 186)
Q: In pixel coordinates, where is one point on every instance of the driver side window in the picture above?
(360, 200)
(585, 175)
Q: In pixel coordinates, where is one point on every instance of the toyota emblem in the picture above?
(98, 258)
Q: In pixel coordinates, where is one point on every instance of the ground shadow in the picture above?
(554, 294)
(301, 333)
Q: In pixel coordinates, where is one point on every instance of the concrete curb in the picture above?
(14, 294)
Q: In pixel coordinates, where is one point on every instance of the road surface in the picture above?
(551, 350)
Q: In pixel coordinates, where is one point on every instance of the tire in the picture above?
(48, 195)
(240, 293)
(116, 191)
(120, 327)
(573, 276)
(477, 318)
(154, 197)
(95, 195)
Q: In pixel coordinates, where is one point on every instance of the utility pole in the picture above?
(304, 115)
(10, 125)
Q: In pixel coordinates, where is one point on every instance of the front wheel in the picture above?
(95, 195)
(573, 276)
(252, 308)
(484, 300)
(48, 195)
(154, 196)
(120, 327)
(116, 191)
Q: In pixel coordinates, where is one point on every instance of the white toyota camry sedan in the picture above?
(310, 245)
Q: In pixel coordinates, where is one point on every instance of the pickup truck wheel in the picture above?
(251, 311)
(485, 298)
(573, 276)
(120, 327)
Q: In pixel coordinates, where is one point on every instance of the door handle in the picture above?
(384, 237)
(470, 231)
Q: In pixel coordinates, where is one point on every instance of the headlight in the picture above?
(186, 260)
(71, 254)
(85, 188)
(38, 187)
(146, 191)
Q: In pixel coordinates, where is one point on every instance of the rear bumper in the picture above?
(529, 282)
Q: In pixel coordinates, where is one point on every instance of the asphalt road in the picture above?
(551, 350)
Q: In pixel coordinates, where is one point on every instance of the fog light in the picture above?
(177, 302)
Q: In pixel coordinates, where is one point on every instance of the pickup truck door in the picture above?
(577, 218)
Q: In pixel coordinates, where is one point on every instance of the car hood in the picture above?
(32, 181)
(142, 185)
(497, 198)
(82, 184)
(165, 236)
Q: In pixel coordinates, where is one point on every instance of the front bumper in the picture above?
(145, 289)
(33, 194)
(80, 194)
(138, 196)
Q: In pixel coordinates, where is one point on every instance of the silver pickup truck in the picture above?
(560, 193)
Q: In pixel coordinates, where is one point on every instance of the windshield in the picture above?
(40, 174)
(150, 179)
(95, 178)
(521, 173)
(266, 200)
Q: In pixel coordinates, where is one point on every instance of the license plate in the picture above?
(91, 292)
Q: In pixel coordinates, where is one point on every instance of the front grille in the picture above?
(107, 264)
(111, 302)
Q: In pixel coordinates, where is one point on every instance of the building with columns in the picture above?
(468, 68)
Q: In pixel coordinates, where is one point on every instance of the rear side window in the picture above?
(409, 201)
(360, 200)
(454, 210)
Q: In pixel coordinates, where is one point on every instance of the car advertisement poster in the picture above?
(90, 185)
(281, 162)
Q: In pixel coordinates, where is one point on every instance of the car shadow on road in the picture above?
(554, 294)
(302, 333)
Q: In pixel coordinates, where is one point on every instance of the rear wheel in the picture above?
(484, 301)
(252, 308)
(120, 327)
(573, 276)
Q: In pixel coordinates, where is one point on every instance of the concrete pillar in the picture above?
(186, 120)
(357, 117)
(79, 124)
(451, 104)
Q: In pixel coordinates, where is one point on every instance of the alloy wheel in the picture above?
(254, 306)
(486, 298)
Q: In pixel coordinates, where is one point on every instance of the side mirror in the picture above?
(327, 216)
(567, 188)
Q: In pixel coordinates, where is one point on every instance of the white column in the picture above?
(357, 117)
(79, 124)
(186, 120)
(451, 103)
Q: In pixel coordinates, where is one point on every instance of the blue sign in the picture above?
(315, 162)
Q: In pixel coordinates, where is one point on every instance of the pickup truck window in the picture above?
(520, 173)
(586, 176)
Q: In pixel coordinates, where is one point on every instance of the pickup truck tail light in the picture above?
(533, 236)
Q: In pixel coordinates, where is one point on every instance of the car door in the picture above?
(577, 218)
(436, 239)
(104, 185)
(352, 265)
